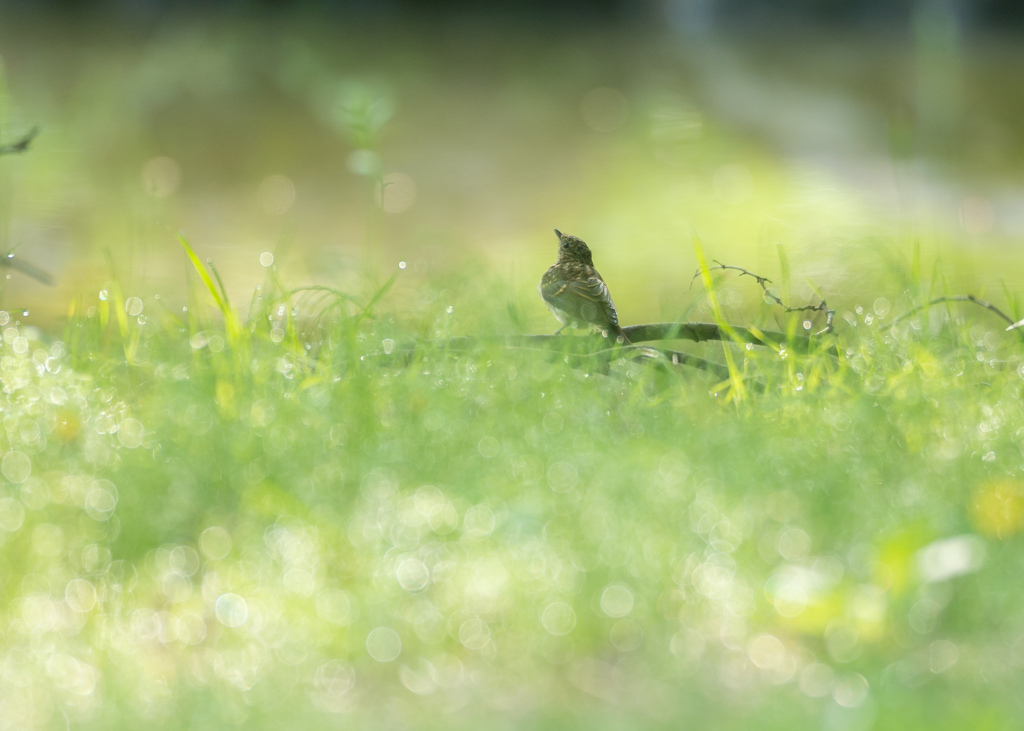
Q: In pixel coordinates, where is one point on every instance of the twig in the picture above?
(961, 298)
(762, 281)
(21, 145)
(24, 267)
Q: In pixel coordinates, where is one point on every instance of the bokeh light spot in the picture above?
(562, 477)
(951, 557)
(80, 595)
(488, 447)
(334, 677)
(12, 514)
(16, 467)
(130, 433)
(997, 508)
(231, 610)
(479, 521)
(558, 618)
(100, 500)
(850, 690)
(942, 656)
(383, 644)
(617, 601)
(474, 634)
(412, 574)
(215, 543)
(276, 195)
(337, 607)
(626, 635)
(767, 652)
(363, 162)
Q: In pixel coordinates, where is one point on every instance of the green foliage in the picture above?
(350, 522)
(319, 512)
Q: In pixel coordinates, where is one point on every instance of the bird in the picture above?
(575, 292)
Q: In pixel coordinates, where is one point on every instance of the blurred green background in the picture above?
(246, 129)
(284, 512)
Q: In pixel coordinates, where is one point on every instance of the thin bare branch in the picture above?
(21, 145)
(961, 298)
(770, 295)
(24, 267)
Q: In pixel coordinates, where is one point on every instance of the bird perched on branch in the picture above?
(575, 292)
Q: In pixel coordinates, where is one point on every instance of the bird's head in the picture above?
(571, 248)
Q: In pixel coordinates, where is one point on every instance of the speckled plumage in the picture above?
(575, 292)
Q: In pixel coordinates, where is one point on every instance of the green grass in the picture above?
(208, 517)
(231, 504)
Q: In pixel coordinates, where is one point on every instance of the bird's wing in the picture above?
(584, 300)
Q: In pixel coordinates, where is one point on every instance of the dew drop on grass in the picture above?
(401, 265)
(104, 294)
(449, 309)
(388, 344)
(266, 259)
(133, 306)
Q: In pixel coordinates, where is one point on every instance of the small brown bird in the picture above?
(574, 291)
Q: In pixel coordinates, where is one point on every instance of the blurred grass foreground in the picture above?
(246, 502)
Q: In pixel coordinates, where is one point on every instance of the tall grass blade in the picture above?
(735, 377)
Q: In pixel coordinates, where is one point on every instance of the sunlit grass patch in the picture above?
(323, 510)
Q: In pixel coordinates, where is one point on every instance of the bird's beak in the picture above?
(558, 234)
